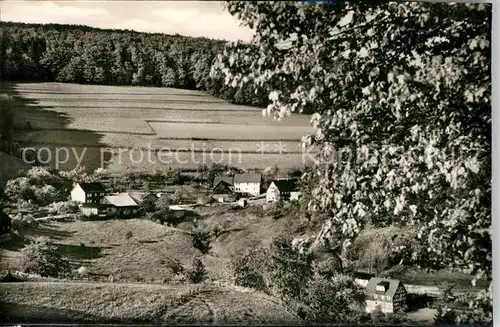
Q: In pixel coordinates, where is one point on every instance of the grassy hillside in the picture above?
(129, 250)
(140, 258)
(139, 303)
(142, 250)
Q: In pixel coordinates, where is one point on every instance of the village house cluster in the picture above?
(95, 201)
(231, 188)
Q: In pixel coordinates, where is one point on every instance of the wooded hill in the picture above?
(82, 54)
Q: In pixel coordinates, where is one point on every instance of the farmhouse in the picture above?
(387, 294)
(282, 189)
(88, 193)
(247, 183)
(122, 204)
(223, 192)
(227, 179)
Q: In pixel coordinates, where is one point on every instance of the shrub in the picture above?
(276, 209)
(21, 220)
(445, 316)
(9, 278)
(446, 289)
(145, 186)
(82, 271)
(41, 174)
(204, 199)
(375, 247)
(197, 273)
(177, 268)
(161, 216)
(178, 196)
(289, 269)
(201, 241)
(249, 268)
(129, 235)
(19, 189)
(77, 175)
(41, 257)
(34, 187)
(173, 177)
(148, 205)
(65, 207)
(162, 203)
(45, 194)
(332, 300)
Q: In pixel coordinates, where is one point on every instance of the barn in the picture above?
(223, 192)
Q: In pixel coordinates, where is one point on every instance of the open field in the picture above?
(139, 303)
(56, 115)
(152, 142)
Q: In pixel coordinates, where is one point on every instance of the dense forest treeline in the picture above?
(81, 54)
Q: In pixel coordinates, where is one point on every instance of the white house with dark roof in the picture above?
(387, 294)
(247, 183)
(282, 189)
(88, 193)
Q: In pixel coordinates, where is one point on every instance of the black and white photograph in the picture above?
(314, 162)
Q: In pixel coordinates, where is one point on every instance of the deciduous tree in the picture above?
(402, 91)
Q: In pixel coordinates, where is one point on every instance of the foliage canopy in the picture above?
(401, 98)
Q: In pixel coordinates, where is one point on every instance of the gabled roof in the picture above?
(224, 184)
(140, 196)
(391, 285)
(227, 179)
(120, 200)
(286, 185)
(92, 187)
(247, 178)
